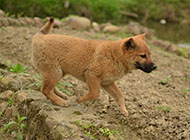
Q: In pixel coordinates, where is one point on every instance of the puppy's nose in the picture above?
(154, 67)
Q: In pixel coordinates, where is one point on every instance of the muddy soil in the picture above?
(158, 103)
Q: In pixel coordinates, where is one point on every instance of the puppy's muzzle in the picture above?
(146, 67)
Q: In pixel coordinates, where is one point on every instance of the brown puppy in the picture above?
(98, 63)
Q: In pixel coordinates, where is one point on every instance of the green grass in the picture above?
(98, 10)
(170, 64)
(61, 86)
(186, 79)
(25, 37)
(11, 100)
(165, 81)
(18, 68)
(16, 127)
(98, 132)
(165, 109)
(1, 77)
(187, 90)
(183, 52)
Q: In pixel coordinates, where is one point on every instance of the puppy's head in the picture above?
(137, 54)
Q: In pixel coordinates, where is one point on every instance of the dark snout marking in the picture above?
(146, 67)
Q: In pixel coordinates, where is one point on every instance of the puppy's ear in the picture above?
(142, 36)
(129, 44)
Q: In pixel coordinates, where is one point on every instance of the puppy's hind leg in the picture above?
(49, 81)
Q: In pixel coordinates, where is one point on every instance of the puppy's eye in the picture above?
(143, 56)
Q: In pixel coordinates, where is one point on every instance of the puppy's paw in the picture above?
(60, 94)
(64, 96)
(125, 113)
(61, 102)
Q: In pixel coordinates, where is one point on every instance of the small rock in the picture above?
(22, 21)
(57, 24)
(111, 29)
(136, 28)
(8, 112)
(38, 21)
(1, 24)
(6, 80)
(111, 137)
(104, 110)
(96, 26)
(2, 13)
(3, 106)
(13, 21)
(11, 112)
(75, 22)
(21, 96)
(103, 25)
(163, 21)
(164, 44)
(29, 21)
(8, 83)
(4, 21)
(6, 95)
(149, 128)
(14, 111)
(17, 23)
(50, 123)
(104, 99)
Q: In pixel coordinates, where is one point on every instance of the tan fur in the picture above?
(98, 63)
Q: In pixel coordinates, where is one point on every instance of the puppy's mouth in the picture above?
(145, 67)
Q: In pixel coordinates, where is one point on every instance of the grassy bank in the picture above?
(101, 10)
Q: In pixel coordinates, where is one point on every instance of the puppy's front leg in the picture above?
(93, 83)
(117, 94)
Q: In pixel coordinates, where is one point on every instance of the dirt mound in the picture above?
(158, 103)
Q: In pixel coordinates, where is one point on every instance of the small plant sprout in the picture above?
(37, 83)
(169, 64)
(187, 90)
(11, 100)
(25, 37)
(18, 68)
(16, 126)
(1, 77)
(97, 132)
(106, 131)
(160, 107)
(167, 55)
(186, 79)
(165, 81)
(64, 84)
(165, 109)
(3, 29)
(183, 52)
(1, 113)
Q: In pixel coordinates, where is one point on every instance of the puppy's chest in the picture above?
(109, 80)
(112, 76)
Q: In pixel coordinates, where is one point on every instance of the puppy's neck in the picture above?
(118, 56)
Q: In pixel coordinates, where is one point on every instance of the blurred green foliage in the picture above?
(99, 10)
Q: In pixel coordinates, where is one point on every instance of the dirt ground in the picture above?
(158, 103)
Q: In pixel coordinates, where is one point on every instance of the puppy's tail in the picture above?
(47, 27)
